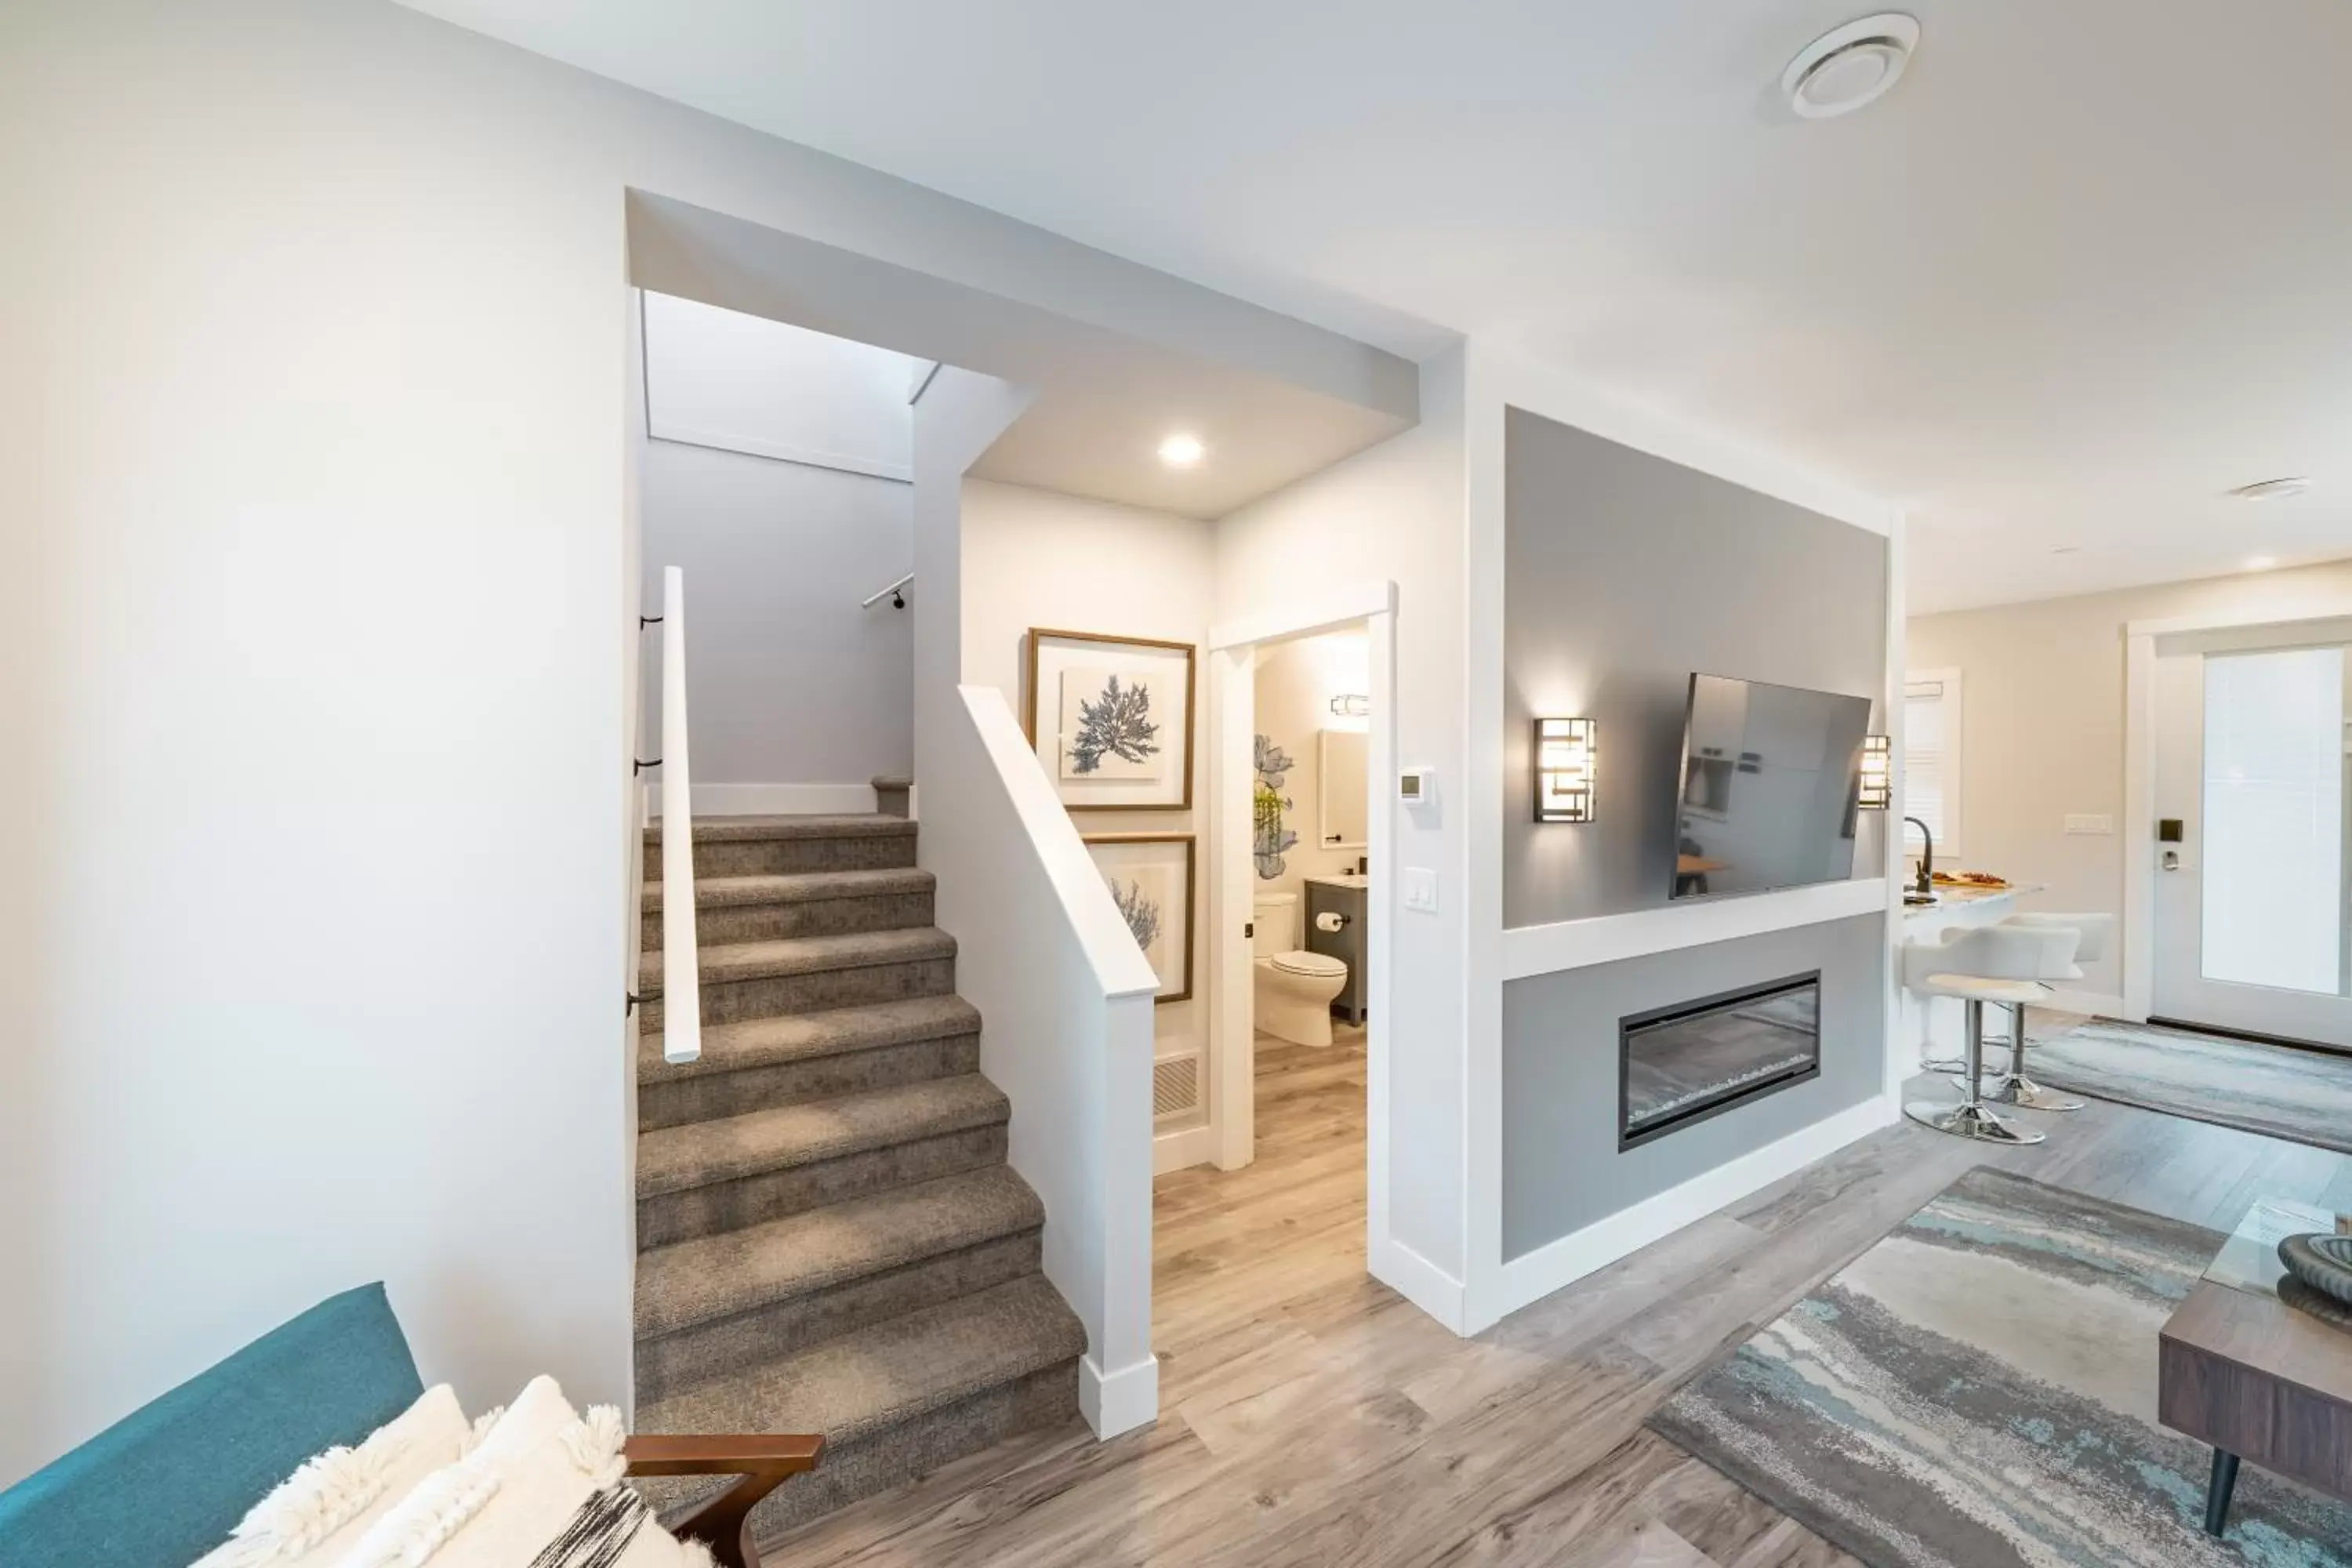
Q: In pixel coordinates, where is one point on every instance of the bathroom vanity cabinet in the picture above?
(1346, 896)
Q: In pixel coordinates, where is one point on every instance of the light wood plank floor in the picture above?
(1309, 1416)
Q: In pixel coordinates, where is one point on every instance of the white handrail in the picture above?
(889, 592)
(681, 967)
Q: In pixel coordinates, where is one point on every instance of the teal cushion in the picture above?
(166, 1484)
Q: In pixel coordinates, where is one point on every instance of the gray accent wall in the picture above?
(1562, 1169)
(1625, 574)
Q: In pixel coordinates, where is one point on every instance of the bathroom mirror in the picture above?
(1340, 789)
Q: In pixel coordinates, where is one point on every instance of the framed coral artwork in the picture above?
(1151, 880)
(1111, 718)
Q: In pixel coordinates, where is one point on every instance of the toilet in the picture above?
(1292, 987)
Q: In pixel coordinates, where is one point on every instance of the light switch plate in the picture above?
(2089, 822)
(1421, 889)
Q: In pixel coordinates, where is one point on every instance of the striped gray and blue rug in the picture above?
(1978, 1390)
(2303, 1095)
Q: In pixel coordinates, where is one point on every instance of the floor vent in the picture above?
(1175, 1085)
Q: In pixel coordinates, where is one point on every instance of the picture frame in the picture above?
(1151, 877)
(1111, 718)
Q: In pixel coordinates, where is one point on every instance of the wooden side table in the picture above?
(2238, 1368)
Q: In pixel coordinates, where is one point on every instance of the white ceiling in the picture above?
(2088, 265)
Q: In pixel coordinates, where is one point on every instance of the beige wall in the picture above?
(2042, 686)
(1296, 682)
(1032, 558)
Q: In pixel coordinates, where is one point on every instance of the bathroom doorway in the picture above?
(1301, 758)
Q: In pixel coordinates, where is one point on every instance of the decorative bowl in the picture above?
(2323, 1262)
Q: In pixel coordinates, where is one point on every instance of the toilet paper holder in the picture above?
(1329, 921)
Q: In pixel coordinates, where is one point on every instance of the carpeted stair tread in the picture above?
(799, 1037)
(742, 829)
(804, 955)
(712, 1277)
(698, 1154)
(796, 887)
(888, 1374)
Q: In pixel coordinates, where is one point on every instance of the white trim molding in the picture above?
(772, 799)
(1118, 1401)
(1340, 606)
(1421, 1283)
(1531, 951)
(1183, 1148)
(1532, 1275)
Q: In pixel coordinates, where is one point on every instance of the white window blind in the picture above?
(1931, 750)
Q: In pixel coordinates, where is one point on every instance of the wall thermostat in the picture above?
(1417, 786)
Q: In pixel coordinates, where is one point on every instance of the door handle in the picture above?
(2171, 861)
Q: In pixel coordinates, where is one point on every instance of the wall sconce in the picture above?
(1350, 705)
(1877, 781)
(1566, 769)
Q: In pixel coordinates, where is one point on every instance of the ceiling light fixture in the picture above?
(1841, 71)
(2272, 490)
(1182, 451)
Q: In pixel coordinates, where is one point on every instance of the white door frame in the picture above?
(1232, 665)
(2139, 772)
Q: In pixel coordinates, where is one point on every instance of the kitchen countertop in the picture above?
(1964, 902)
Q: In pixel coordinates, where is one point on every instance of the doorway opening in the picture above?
(1289, 1147)
(2253, 900)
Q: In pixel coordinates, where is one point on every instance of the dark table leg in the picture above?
(2217, 1491)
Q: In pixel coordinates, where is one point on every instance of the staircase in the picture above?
(829, 1239)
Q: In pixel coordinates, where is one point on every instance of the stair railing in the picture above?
(681, 965)
(895, 593)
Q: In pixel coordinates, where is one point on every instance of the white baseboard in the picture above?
(1537, 1274)
(1121, 1401)
(1184, 1148)
(2104, 1004)
(1420, 1281)
(773, 799)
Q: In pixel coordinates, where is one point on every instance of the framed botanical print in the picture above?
(1111, 718)
(1151, 880)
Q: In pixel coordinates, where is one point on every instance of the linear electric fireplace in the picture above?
(1682, 1063)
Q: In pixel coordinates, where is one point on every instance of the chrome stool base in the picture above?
(1964, 1120)
(2016, 1088)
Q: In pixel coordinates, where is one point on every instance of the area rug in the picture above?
(1978, 1390)
(2306, 1096)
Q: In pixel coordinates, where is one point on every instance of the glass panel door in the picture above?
(2251, 790)
(2274, 862)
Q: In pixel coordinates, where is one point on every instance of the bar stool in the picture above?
(2001, 963)
(2093, 933)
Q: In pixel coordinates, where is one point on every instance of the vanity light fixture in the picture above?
(1877, 781)
(1353, 705)
(1181, 450)
(1567, 769)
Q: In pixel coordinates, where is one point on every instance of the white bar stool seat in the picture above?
(1999, 964)
(2093, 933)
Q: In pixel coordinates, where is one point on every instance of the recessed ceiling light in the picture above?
(1182, 451)
(2272, 490)
(1839, 71)
(2260, 562)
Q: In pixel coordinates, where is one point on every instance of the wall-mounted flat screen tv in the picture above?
(1768, 789)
